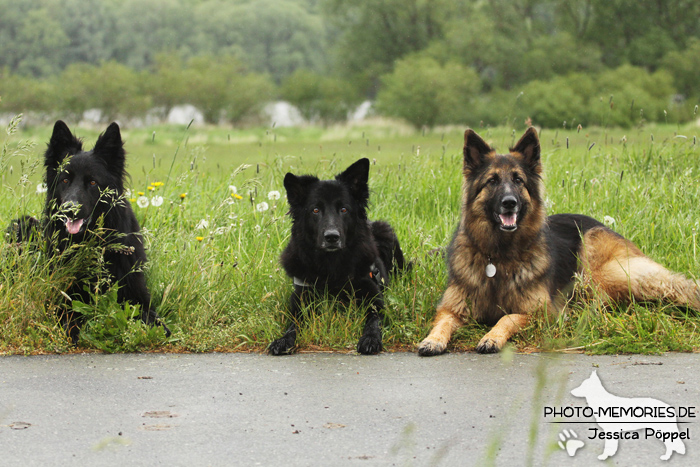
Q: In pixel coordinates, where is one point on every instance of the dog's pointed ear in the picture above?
(297, 188)
(356, 177)
(61, 144)
(110, 148)
(529, 147)
(475, 150)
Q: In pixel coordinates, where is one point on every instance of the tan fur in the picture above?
(619, 271)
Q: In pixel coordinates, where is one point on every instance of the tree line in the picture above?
(430, 62)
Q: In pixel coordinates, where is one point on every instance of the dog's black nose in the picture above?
(331, 236)
(509, 202)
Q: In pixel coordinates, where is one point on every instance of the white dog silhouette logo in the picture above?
(617, 415)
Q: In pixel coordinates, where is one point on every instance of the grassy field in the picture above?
(213, 257)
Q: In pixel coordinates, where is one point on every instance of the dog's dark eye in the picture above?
(493, 180)
(343, 210)
(316, 210)
(65, 180)
(517, 179)
(93, 183)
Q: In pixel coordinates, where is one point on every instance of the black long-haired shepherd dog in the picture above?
(334, 248)
(85, 190)
(508, 260)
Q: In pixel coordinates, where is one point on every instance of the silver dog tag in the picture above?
(490, 270)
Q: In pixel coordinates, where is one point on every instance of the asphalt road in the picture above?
(318, 409)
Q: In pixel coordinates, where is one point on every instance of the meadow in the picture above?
(213, 210)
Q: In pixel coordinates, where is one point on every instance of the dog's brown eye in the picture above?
(316, 211)
(492, 180)
(65, 180)
(517, 179)
(93, 183)
(343, 210)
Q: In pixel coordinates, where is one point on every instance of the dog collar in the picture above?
(374, 274)
(300, 283)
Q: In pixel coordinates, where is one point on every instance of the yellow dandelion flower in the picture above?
(156, 184)
(151, 188)
(141, 193)
(199, 239)
(236, 196)
(133, 200)
(183, 195)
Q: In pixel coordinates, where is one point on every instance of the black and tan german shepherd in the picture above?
(508, 260)
(334, 248)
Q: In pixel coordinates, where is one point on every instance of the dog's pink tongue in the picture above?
(73, 226)
(508, 219)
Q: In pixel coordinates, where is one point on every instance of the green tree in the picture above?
(320, 98)
(374, 34)
(425, 93)
(113, 88)
(273, 37)
(223, 89)
(40, 44)
(167, 82)
(22, 94)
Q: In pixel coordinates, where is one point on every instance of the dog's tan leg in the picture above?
(448, 318)
(620, 270)
(505, 328)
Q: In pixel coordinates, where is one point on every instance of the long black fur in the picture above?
(334, 248)
(86, 189)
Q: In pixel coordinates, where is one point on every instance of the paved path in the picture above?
(322, 409)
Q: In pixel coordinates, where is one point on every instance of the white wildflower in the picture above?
(262, 206)
(157, 200)
(142, 202)
(273, 195)
(609, 221)
(41, 188)
(203, 224)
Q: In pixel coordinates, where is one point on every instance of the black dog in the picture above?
(85, 195)
(334, 248)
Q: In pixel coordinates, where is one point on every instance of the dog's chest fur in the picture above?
(519, 285)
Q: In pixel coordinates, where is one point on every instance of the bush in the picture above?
(317, 97)
(425, 93)
(222, 88)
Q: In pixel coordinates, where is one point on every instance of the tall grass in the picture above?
(213, 267)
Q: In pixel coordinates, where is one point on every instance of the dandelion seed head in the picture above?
(203, 224)
(142, 202)
(261, 207)
(41, 188)
(273, 195)
(609, 221)
(157, 200)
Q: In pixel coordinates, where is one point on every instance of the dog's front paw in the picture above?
(282, 346)
(369, 344)
(429, 348)
(488, 345)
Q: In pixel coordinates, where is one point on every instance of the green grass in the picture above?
(222, 288)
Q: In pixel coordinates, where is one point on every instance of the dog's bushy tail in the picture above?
(389, 248)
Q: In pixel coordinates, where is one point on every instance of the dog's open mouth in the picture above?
(509, 221)
(74, 226)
